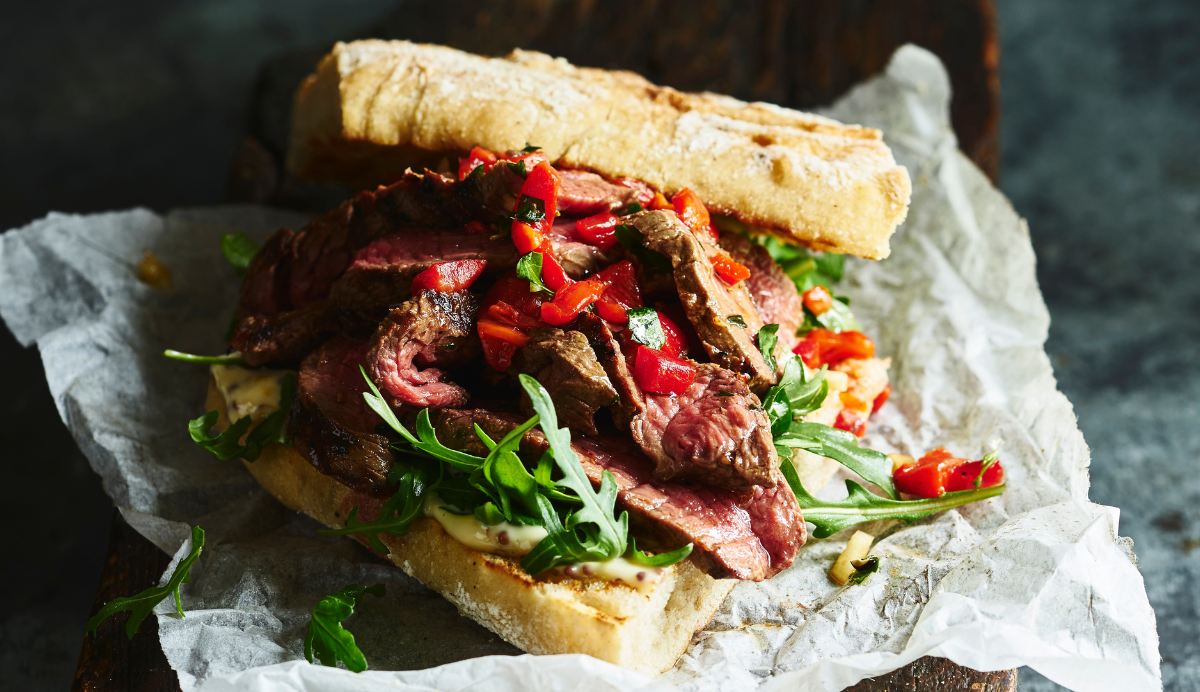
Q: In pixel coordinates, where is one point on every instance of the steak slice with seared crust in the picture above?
(708, 300)
(773, 291)
(380, 277)
(285, 337)
(754, 538)
(631, 401)
(566, 366)
(431, 329)
(714, 433)
(330, 424)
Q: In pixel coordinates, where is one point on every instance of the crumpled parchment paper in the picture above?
(1037, 577)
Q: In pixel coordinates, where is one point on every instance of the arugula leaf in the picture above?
(645, 327)
(831, 264)
(227, 445)
(239, 250)
(660, 560)
(518, 168)
(768, 339)
(738, 320)
(593, 531)
(831, 516)
(864, 568)
(327, 638)
(416, 479)
(143, 604)
(530, 209)
(796, 394)
(234, 358)
(529, 267)
(843, 448)
(837, 318)
(631, 238)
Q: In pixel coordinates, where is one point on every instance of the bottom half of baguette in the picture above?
(643, 630)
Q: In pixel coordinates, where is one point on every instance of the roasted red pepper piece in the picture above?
(570, 301)
(676, 342)
(693, 213)
(541, 183)
(599, 230)
(508, 311)
(824, 347)
(621, 292)
(730, 271)
(553, 275)
(478, 157)
(882, 398)
(526, 237)
(449, 277)
(939, 472)
(818, 300)
(660, 373)
(851, 421)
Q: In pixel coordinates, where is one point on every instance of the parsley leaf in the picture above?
(227, 445)
(239, 250)
(768, 339)
(327, 638)
(645, 327)
(234, 358)
(143, 604)
(738, 320)
(518, 168)
(654, 262)
(529, 267)
(530, 210)
(843, 448)
(831, 516)
(633, 208)
(864, 568)
(660, 560)
(529, 148)
(592, 532)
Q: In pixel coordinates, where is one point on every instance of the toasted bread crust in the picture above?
(646, 632)
(375, 107)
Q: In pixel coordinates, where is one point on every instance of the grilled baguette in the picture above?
(645, 632)
(374, 108)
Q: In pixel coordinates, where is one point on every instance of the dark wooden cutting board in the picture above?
(795, 53)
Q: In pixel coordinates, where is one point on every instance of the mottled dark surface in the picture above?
(107, 106)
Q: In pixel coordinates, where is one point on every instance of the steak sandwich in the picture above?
(561, 360)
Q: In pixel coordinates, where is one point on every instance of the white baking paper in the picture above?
(1037, 577)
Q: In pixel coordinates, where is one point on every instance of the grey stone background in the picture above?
(106, 106)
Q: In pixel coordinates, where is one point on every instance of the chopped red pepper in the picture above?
(503, 332)
(570, 301)
(818, 300)
(508, 310)
(541, 183)
(676, 341)
(851, 421)
(526, 237)
(824, 347)
(882, 398)
(729, 270)
(599, 230)
(475, 227)
(621, 292)
(449, 277)
(553, 275)
(693, 213)
(513, 291)
(660, 202)
(478, 157)
(660, 373)
(939, 472)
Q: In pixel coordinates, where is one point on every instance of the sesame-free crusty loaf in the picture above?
(643, 631)
(374, 108)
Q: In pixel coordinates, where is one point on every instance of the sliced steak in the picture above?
(380, 277)
(715, 433)
(707, 299)
(330, 424)
(284, 337)
(752, 539)
(579, 259)
(583, 193)
(604, 344)
(431, 329)
(564, 363)
(298, 268)
(773, 291)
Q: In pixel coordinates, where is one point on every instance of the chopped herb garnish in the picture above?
(738, 320)
(518, 168)
(645, 327)
(864, 568)
(724, 393)
(141, 605)
(768, 338)
(631, 239)
(529, 267)
(327, 640)
(529, 148)
(633, 208)
(530, 210)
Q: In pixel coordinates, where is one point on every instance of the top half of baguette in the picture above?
(374, 108)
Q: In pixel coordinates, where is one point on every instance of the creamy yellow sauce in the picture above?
(248, 391)
(515, 540)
